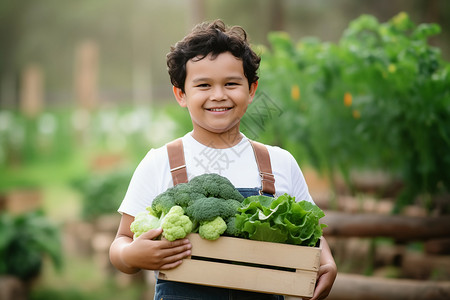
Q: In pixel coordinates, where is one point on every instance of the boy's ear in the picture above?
(253, 88)
(180, 96)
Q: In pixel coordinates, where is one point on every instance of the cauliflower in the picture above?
(211, 230)
(144, 222)
(175, 224)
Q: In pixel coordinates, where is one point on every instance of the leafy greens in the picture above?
(280, 220)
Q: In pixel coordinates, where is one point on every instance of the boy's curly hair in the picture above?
(211, 38)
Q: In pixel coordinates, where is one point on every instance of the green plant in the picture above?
(102, 193)
(24, 240)
(280, 220)
(378, 99)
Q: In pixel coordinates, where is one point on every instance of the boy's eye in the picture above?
(202, 85)
(232, 83)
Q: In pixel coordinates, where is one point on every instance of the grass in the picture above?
(42, 173)
(81, 279)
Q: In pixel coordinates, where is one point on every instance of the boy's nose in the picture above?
(218, 93)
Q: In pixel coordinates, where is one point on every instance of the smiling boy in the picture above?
(214, 75)
(216, 94)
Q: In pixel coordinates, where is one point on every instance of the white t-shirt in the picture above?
(238, 164)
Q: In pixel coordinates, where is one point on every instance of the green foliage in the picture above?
(107, 289)
(102, 193)
(280, 220)
(43, 138)
(378, 99)
(24, 240)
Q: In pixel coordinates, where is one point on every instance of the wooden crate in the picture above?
(249, 265)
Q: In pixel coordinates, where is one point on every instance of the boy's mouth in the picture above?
(217, 109)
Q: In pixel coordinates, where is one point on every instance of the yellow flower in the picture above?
(295, 92)
(392, 68)
(348, 99)
(400, 18)
(356, 114)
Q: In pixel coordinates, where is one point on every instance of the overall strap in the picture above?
(265, 167)
(176, 162)
(178, 165)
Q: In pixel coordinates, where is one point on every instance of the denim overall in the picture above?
(171, 290)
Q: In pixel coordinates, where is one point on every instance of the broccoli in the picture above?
(185, 193)
(207, 209)
(211, 230)
(144, 222)
(217, 186)
(175, 224)
(162, 203)
(203, 198)
(232, 230)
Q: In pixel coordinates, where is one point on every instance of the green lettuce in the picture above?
(280, 220)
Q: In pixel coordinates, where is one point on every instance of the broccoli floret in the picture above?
(144, 222)
(211, 230)
(163, 203)
(217, 186)
(175, 224)
(232, 230)
(182, 194)
(185, 193)
(206, 209)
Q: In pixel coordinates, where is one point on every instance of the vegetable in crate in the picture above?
(281, 220)
(175, 224)
(144, 222)
(211, 230)
(204, 199)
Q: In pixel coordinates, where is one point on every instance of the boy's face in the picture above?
(216, 93)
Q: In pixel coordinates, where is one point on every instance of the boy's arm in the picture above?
(327, 273)
(129, 256)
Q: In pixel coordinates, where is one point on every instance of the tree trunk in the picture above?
(375, 225)
(357, 287)
(12, 288)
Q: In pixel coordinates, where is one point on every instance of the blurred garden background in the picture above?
(357, 91)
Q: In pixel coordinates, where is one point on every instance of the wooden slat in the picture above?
(298, 280)
(242, 250)
(300, 283)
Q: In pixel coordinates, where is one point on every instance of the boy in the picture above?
(214, 75)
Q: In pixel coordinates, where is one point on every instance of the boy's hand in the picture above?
(325, 279)
(150, 254)
(327, 273)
